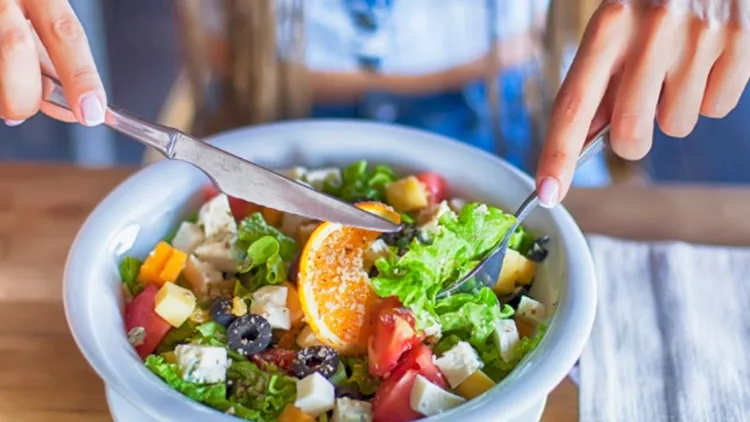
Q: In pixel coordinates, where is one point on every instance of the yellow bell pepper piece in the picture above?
(475, 385)
(293, 414)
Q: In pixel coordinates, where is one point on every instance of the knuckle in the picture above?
(67, 28)
(554, 158)
(631, 127)
(84, 75)
(569, 105)
(13, 39)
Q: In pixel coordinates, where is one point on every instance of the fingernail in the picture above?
(12, 123)
(92, 110)
(548, 192)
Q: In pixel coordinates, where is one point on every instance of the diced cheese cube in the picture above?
(377, 249)
(457, 204)
(188, 237)
(348, 410)
(216, 218)
(531, 310)
(407, 194)
(202, 364)
(506, 338)
(428, 218)
(174, 304)
(317, 178)
(290, 223)
(428, 399)
(307, 338)
(315, 395)
(275, 295)
(459, 363)
(294, 173)
(475, 385)
(517, 271)
(434, 331)
(201, 275)
(220, 253)
(277, 316)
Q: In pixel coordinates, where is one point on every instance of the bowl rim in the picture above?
(576, 310)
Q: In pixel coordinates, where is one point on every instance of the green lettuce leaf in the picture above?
(423, 270)
(255, 227)
(360, 376)
(359, 183)
(471, 313)
(265, 391)
(521, 241)
(129, 268)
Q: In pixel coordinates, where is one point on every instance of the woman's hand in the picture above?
(638, 60)
(46, 34)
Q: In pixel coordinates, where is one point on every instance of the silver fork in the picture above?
(488, 270)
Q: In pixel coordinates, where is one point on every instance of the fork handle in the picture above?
(151, 134)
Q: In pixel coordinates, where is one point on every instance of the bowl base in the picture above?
(123, 411)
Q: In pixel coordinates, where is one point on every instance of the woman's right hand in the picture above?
(45, 35)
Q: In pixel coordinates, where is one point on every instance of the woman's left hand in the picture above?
(669, 59)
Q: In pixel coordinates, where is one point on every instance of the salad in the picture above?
(270, 316)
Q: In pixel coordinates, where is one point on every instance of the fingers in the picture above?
(20, 78)
(64, 38)
(729, 76)
(652, 54)
(47, 108)
(578, 100)
(685, 84)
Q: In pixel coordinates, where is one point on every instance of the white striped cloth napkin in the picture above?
(671, 341)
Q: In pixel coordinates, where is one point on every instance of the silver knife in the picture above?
(233, 175)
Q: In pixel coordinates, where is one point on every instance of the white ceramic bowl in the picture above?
(142, 210)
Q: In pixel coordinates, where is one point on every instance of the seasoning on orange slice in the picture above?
(334, 288)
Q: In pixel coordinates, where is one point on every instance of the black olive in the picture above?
(539, 250)
(221, 311)
(249, 334)
(348, 390)
(513, 299)
(321, 359)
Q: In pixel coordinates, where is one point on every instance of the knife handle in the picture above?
(151, 134)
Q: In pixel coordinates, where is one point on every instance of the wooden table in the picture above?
(43, 376)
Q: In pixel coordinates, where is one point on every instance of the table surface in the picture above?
(44, 377)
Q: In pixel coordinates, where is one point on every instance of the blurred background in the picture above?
(481, 71)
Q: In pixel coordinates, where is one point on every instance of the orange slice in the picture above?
(334, 288)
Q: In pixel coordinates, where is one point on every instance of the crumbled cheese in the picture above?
(307, 338)
(428, 219)
(348, 410)
(377, 249)
(428, 399)
(457, 204)
(216, 218)
(315, 395)
(188, 237)
(202, 364)
(277, 316)
(201, 275)
(220, 253)
(531, 311)
(275, 295)
(317, 178)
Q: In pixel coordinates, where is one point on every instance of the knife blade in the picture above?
(233, 175)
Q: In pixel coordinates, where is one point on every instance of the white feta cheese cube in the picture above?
(348, 410)
(457, 204)
(290, 223)
(307, 338)
(531, 310)
(220, 253)
(275, 295)
(506, 338)
(433, 331)
(202, 364)
(188, 237)
(428, 399)
(377, 249)
(216, 217)
(277, 316)
(315, 395)
(428, 218)
(294, 173)
(317, 178)
(459, 363)
(201, 276)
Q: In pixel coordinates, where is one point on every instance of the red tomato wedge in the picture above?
(420, 359)
(391, 402)
(393, 334)
(140, 313)
(435, 186)
(240, 209)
